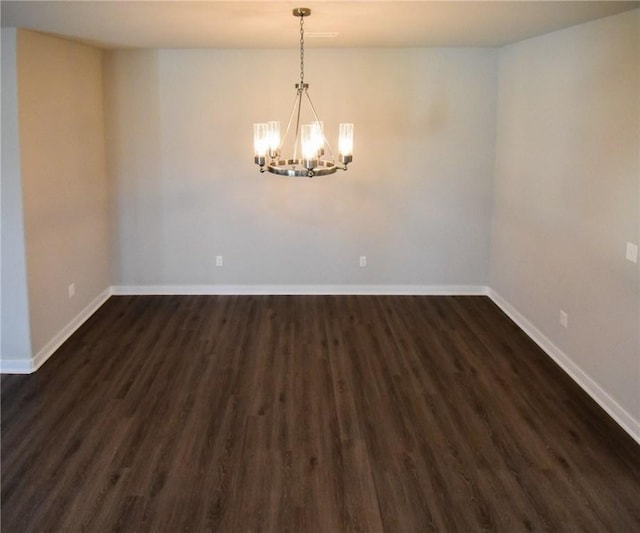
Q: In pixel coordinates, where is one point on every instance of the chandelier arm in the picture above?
(324, 137)
(295, 142)
(286, 133)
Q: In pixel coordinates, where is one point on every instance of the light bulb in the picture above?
(345, 144)
(345, 139)
(309, 144)
(318, 132)
(260, 139)
(273, 137)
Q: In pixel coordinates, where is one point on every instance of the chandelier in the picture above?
(308, 158)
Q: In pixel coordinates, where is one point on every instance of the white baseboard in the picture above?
(27, 366)
(601, 397)
(251, 290)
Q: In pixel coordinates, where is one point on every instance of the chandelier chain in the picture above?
(301, 50)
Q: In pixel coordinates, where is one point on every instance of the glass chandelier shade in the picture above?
(310, 145)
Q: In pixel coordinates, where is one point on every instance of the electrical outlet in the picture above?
(632, 252)
(72, 290)
(564, 319)
(219, 262)
(363, 260)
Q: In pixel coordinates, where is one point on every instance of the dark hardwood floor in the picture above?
(315, 413)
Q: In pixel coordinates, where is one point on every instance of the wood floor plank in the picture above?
(311, 414)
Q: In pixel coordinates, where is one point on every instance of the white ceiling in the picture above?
(270, 24)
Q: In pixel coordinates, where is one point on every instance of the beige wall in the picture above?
(416, 200)
(566, 195)
(64, 180)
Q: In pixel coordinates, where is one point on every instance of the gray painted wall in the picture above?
(416, 200)
(566, 195)
(15, 304)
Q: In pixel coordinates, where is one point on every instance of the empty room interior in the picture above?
(331, 266)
